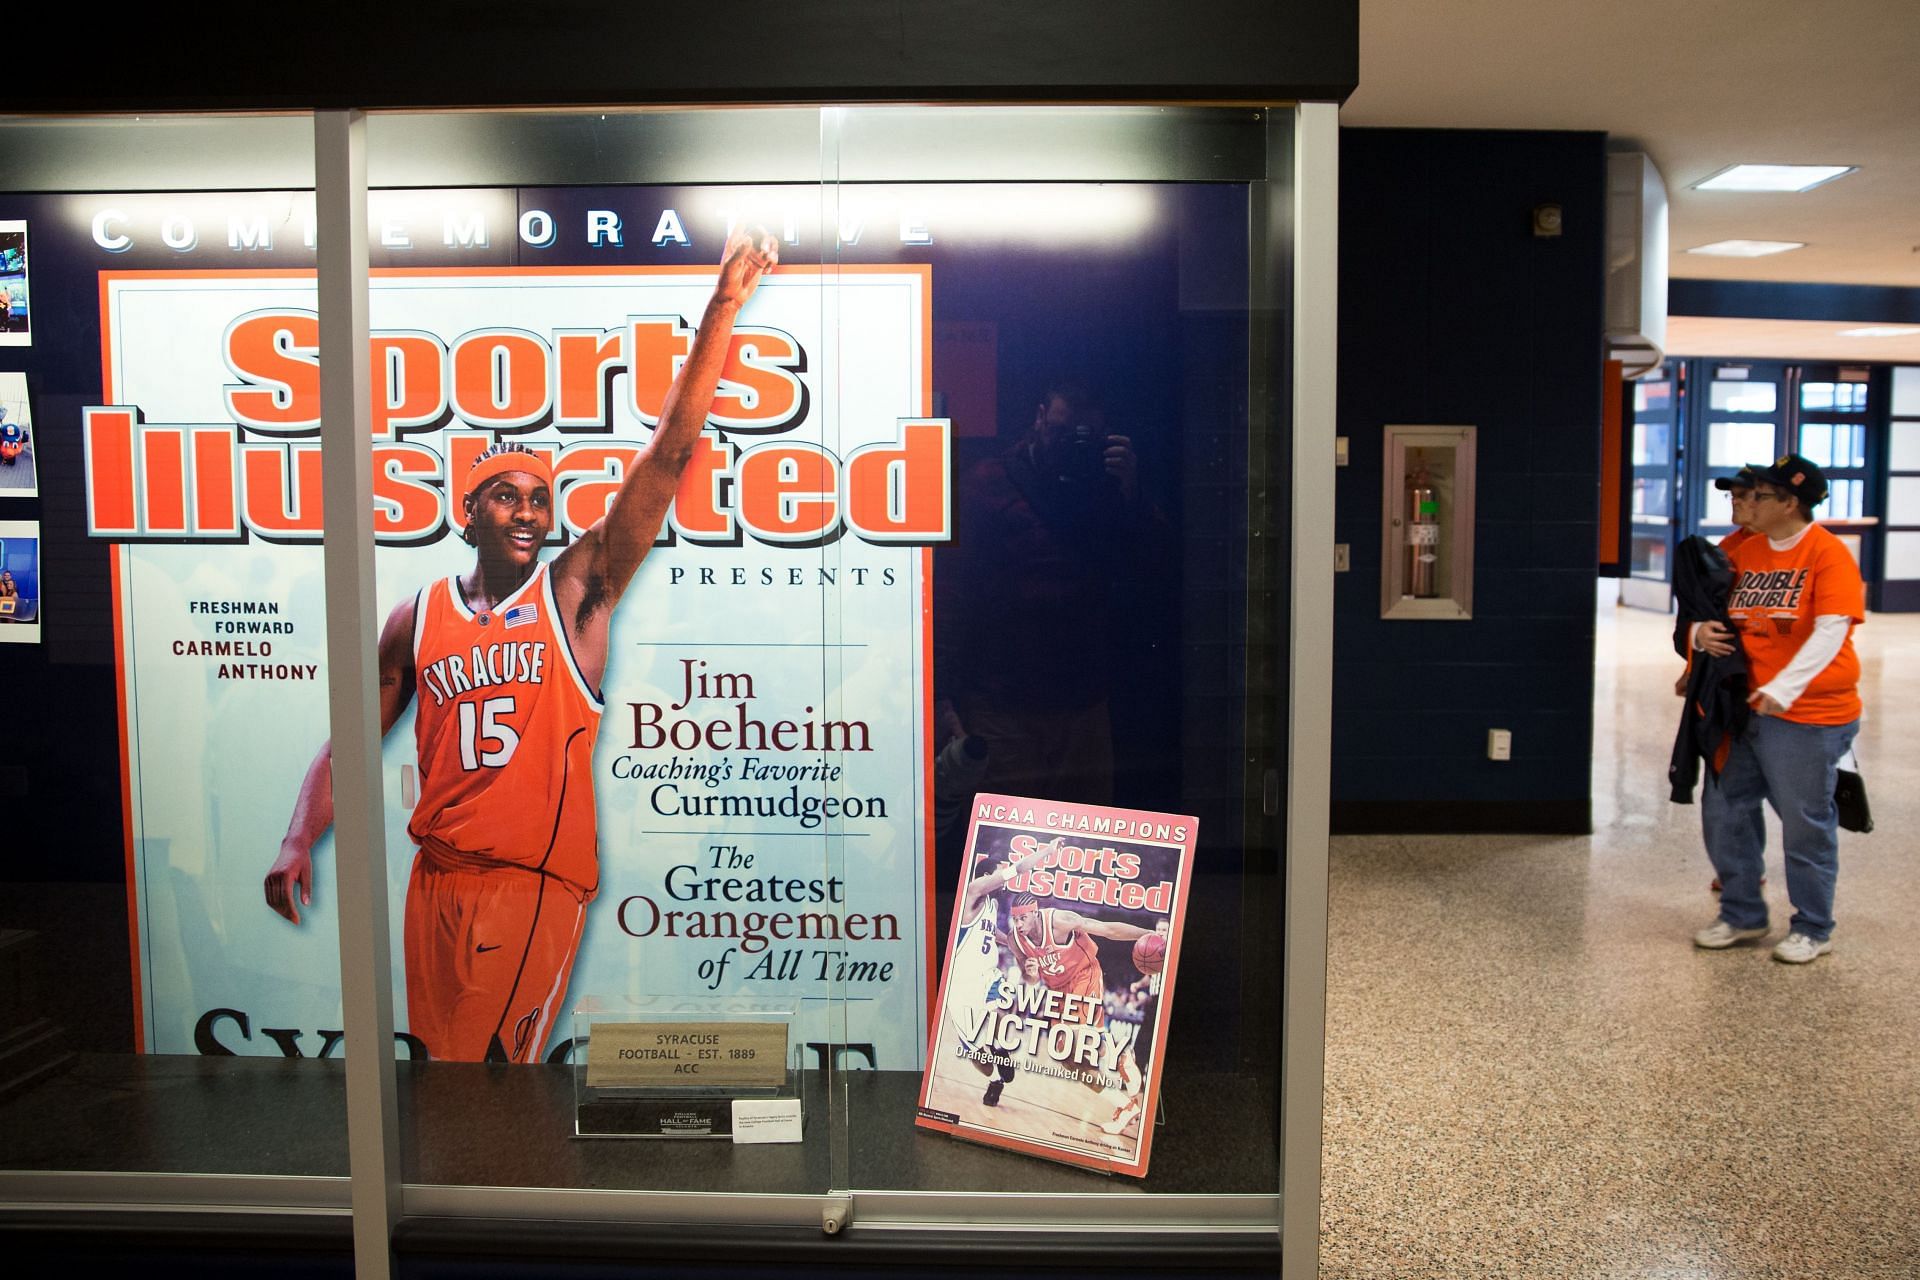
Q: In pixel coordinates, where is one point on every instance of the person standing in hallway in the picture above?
(1796, 597)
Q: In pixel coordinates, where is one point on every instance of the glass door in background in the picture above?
(1654, 499)
(1737, 413)
(1831, 430)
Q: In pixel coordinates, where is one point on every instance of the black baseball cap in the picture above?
(1789, 471)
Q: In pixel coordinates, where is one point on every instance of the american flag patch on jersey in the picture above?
(520, 615)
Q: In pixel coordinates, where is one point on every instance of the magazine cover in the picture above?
(19, 468)
(14, 328)
(1054, 1000)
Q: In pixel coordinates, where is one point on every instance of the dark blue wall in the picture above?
(1453, 312)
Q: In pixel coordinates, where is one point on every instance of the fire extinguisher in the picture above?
(1423, 535)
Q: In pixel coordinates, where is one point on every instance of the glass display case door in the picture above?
(1656, 499)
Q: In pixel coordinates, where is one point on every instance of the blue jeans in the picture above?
(1792, 767)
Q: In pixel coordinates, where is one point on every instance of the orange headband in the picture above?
(492, 464)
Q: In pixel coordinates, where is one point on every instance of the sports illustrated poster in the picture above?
(19, 476)
(14, 329)
(708, 746)
(1052, 1018)
(19, 582)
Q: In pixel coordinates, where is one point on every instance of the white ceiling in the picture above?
(1698, 85)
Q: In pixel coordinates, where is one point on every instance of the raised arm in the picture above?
(1115, 929)
(289, 884)
(1002, 875)
(590, 575)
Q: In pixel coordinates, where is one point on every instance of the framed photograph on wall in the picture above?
(19, 473)
(14, 328)
(19, 582)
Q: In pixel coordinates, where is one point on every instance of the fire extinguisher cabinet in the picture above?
(1426, 536)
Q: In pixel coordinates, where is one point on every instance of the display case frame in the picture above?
(1294, 309)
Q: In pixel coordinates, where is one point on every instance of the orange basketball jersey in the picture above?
(1072, 966)
(504, 727)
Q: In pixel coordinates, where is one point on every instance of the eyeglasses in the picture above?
(1768, 495)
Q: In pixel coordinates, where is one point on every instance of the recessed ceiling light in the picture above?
(1881, 331)
(1747, 248)
(1773, 177)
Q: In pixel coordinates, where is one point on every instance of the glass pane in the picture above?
(1718, 507)
(1816, 443)
(1652, 444)
(1649, 557)
(161, 1016)
(1742, 397)
(1736, 444)
(1101, 496)
(1844, 501)
(1903, 556)
(630, 748)
(1850, 445)
(1904, 452)
(1906, 392)
(1841, 445)
(1652, 395)
(1844, 397)
(1903, 500)
(1650, 496)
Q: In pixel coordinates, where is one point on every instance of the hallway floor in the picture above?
(1532, 1072)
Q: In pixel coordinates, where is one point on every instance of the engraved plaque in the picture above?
(687, 1055)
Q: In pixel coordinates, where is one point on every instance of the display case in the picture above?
(750, 556)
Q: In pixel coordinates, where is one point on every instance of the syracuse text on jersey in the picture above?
(258, 475)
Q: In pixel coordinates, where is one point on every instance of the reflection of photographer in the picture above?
(1026, 601)
(1069, 442)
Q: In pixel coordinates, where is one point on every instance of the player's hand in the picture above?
(751, 252)
(1122, 464)
(292, 875)
(1764, 704)
(1680, 686)
(1715, 638)
(1023, 865)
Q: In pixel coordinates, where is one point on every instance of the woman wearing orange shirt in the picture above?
(1796, 597)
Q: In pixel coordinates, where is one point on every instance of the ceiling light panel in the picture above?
(1773, 177)
(1746, 248)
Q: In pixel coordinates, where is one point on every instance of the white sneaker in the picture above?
(1720, 934)
(1798, 948)
(1123, 1115)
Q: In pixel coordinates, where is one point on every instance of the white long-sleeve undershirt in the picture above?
(1821, 648)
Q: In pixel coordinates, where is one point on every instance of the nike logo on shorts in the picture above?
(485, 947)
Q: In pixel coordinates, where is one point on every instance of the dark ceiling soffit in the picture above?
(439, 54)
(1767, 300)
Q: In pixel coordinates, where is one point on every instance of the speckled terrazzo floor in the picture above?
(1531, 1072)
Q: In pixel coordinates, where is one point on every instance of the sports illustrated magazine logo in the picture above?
(258, 474)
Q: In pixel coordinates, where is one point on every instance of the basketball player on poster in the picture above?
(506, 661)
